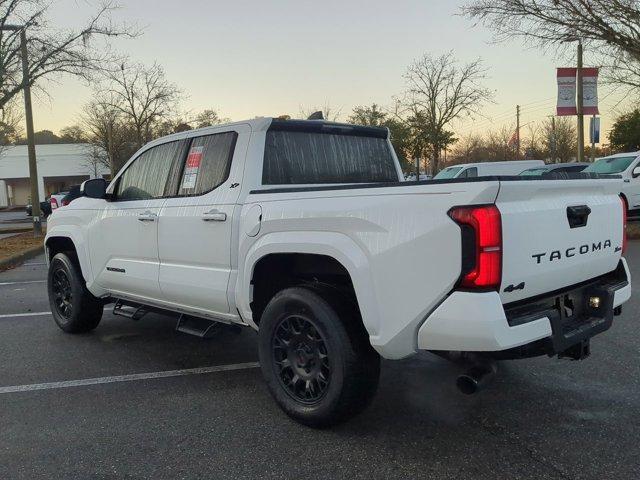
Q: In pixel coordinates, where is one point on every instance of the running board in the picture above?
(199, 327)
(129, 310)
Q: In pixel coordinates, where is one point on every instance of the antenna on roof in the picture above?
(316, 116)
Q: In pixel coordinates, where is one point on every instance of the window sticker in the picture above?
(192, 167)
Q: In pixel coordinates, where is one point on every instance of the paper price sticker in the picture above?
(192, 167)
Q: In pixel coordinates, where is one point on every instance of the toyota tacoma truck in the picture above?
(305, 232)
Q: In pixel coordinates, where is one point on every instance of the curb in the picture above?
(19, 258)
(15, 230)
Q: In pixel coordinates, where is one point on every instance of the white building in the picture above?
(59, 167)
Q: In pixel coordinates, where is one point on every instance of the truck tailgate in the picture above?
(557, 233)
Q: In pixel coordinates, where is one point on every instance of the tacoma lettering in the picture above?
(571, 251)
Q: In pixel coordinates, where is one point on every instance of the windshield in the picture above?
(447, 173)
(610, 165)
(533, 172)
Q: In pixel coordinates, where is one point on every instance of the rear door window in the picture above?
(207, 164)
(309, 157)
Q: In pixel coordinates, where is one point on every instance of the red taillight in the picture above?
(54, 203)
(624, 224)
(485, 222)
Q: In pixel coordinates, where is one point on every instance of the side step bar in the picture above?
(200, 327)
(129, 310)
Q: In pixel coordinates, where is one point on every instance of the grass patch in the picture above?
(633, 231)
(18, 244)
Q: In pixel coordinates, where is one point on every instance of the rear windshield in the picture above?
(610, 165)
(447, 173)
(307, 158)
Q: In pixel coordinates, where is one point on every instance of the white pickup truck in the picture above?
(304, 231)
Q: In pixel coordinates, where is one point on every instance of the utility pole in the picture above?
(517, 132)
(553, 139)
(31, 147)
(580, 105)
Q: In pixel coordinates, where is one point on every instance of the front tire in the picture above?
(74, 308)
(316, 357)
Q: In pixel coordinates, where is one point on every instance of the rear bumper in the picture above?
(478, 322)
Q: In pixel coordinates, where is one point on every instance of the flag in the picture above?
(590, 91)
(566, 91)
(513, 141)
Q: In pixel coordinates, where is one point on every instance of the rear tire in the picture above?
(316, 357)
(74, 308)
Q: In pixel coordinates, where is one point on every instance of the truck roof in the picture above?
(261, 124)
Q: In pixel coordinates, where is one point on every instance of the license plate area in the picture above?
(576, 313)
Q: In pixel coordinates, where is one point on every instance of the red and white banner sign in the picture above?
(566, 91)
(590, 91)
(567, 87)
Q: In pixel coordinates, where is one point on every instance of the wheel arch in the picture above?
(335, 253)
(65, 241)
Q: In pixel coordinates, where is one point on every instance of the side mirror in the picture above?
(636, 172)
(94, 188)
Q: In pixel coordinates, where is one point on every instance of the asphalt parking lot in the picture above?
(541, 418)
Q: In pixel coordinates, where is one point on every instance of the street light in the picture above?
(31, 146)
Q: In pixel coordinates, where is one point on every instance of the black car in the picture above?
(74, 192)
(45, 209)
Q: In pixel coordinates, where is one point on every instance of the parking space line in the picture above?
(22, 283)
(33, 264)
(30, 314)
(127, 378)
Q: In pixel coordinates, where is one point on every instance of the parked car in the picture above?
(306, 232)
(72, 194)
(423, 176)
(555, 169)
(487, 169)
(45, 209)
(627, 165)
(56, 199)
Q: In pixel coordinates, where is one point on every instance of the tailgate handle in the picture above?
(578, 215)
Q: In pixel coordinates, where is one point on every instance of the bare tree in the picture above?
(143, 96)
(112, 138)
(560, 139)
(469, 149)
(612, 26)
(497, 147)
(208, 118)
(51, 51)
(439, 91)
(73, 134)
(10, 129)
(329, 112)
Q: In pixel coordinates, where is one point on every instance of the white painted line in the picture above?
(33, 264)
(127, 378)
(30, 314)
(22, 283)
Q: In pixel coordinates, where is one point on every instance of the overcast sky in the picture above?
(248, 58)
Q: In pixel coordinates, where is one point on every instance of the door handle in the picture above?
(147, 216)
(214, 216)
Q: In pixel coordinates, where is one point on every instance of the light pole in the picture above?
(579, 105)
(31, 147)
